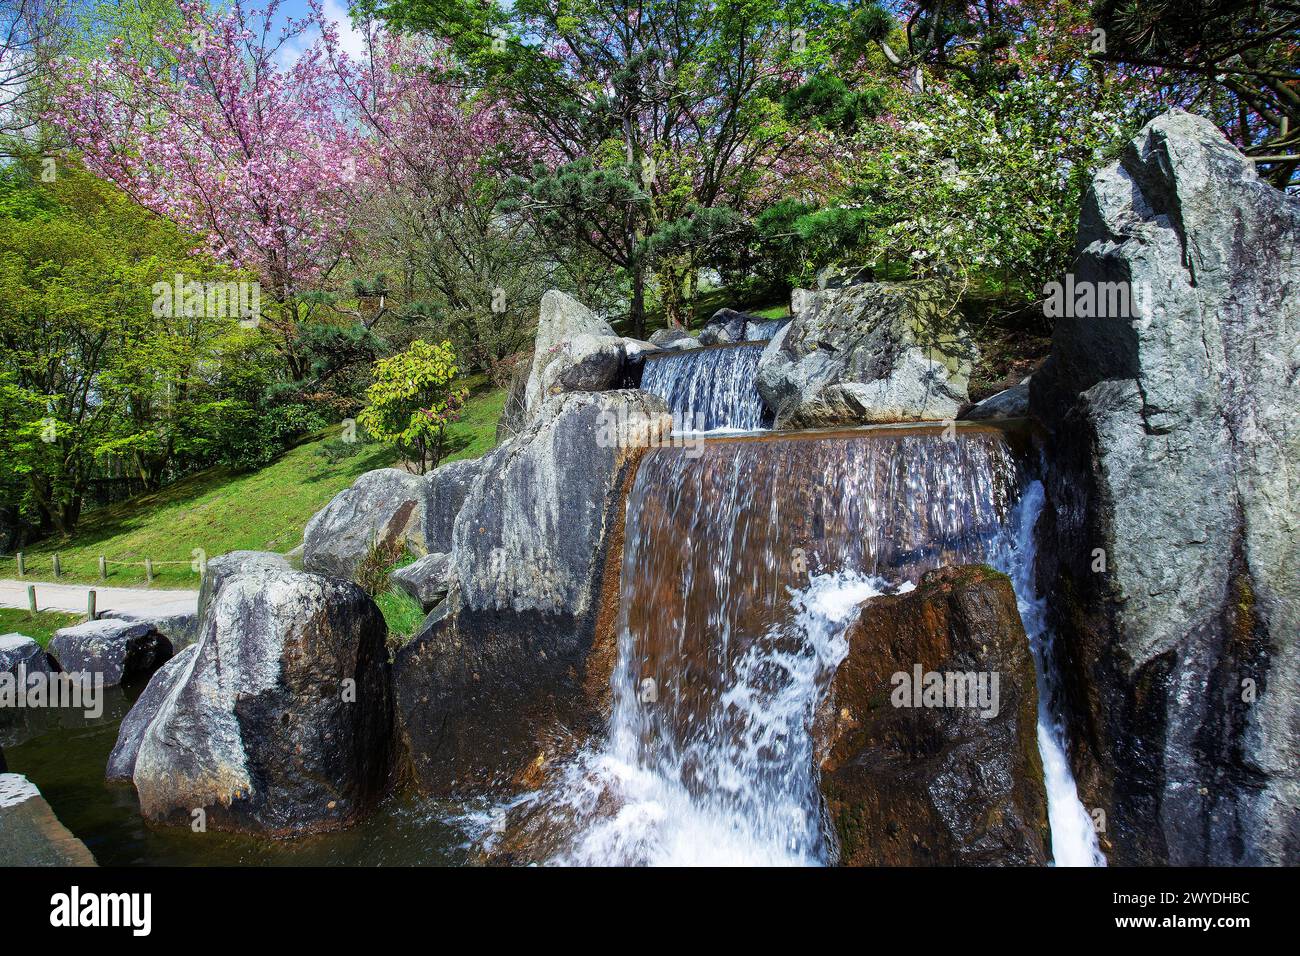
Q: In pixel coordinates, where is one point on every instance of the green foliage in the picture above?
(375, 565)
(413, 400)
(40, 626)
(829, 102)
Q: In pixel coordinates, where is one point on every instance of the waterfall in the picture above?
(743, 565)
(710, 388)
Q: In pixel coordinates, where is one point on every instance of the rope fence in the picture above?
(24, 565)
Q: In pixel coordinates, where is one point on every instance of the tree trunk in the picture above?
(636, 313)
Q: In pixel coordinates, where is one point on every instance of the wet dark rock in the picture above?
(909, 785)
(1171, 536)
(278, 721)
(120, 651)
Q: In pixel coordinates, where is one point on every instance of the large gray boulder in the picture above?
(872, 352)
(278, 721)
(30, 833)
(384, 507)
(119, 651)
(1175, 514)
(574, 351)
(181, 630)
(506, 657)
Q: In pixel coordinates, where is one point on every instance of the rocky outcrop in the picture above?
(574, 351)
(119, 651)
(222, 568)
(506, 659)
(384, 507)
(1170, 393)
(30, 833)
(912, 779)
(20, 650)
(278, 721)
(1009, 403)
(872, 352)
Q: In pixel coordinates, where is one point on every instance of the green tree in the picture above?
(412, 401)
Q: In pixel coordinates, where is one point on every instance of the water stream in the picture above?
(710, 388)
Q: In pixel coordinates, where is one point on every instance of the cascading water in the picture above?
(709, 389)
(744, 561)
(1074, 837)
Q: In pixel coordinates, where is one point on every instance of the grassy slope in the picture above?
(40, 627)
(218, 511)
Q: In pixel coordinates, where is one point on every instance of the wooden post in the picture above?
(22, 565)
(148, 570)
(31, 597)
(90, 605)
(103, 569)
(58, 566)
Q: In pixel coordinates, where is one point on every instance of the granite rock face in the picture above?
(278, 721)
(504, 659)
(961, 783)
(872, 352)
(1175, 516)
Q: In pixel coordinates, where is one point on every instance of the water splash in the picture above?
(708, 389)
(736, 788)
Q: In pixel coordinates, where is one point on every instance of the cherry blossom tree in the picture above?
(255, 157)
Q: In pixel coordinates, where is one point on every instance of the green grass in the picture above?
(40, 626)
(402, 613)
(219, 511)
